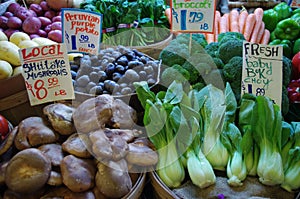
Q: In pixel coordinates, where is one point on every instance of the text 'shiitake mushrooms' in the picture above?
(113, 179)
(60, 117)
(78, 174)
(34, 131)
(27, 171)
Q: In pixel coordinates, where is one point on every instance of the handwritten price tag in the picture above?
(47, 75)
(262, 70)
(81, 30)
(193, 15)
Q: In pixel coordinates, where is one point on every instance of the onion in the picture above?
(57, 5)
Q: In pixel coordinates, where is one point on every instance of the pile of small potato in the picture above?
(84, 152)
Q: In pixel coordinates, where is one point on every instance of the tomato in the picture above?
(4, 126)
(296, 66)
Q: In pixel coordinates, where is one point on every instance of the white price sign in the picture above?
(81, 30)
(47, 75)
(262, 70)
(193, 15)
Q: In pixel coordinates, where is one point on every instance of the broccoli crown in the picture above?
(198, 65)
(286, 71)
(218, 62)
(222, 37)
(229, 49)
(285, 103)
(174, 53)
(212, 48)
(198, 86)
(233, 69)
(199, 38)
(176, 72)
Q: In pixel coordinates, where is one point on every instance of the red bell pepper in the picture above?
(296, 66)
(294, 91)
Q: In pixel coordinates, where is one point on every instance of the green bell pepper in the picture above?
(287, 29)
(284, 10)
(296, 17)
(270, 18)
(296, 47)
(287, 46)
(297, 10)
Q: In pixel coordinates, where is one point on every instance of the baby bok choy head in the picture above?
(267, 131)
(292, 156)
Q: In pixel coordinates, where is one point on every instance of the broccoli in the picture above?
(198, 65)
(286, 71)
(230, 49)
(233, 69)
(218, 62)
(212, 48)
(174, 53)
(198, 38)
(175, 72)
(194, 45)
(223, 37)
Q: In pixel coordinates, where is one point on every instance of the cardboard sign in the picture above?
(46, 71)
(193, 15)
(262, 70)
(81, 30)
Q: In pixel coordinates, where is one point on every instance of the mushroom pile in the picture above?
(86, 152)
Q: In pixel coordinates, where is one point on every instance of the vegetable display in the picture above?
(131, 23)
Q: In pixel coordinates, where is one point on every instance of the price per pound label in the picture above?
(46, 72)
(81, 30)
(193, 16)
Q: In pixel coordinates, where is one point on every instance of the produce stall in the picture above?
(156, 113)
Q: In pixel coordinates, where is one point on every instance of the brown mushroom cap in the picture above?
(53, 152)
(34, 131)
(78, 174)
(113, 179)
(60, 117)
(76, 146)
(112, 148)
(93, 113)
(55, 179)
(123, 115)
(140, 153)
(28, 171)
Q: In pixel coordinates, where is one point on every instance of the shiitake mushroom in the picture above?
(28, 171)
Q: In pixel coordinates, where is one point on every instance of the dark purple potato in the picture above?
(3, 22)
(13, 7)
(23, 14)
(14, 22)
(32, 25)
(42, 33)
(37, 9)
(50, 14)
(8, 14)
(10, 31)
(44, 6)
(45, 21)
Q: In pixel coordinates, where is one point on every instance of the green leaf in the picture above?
(143, 92)
(174, 93)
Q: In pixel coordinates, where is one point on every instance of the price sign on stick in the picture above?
(193, 15)
(81, 30)
(262, 70)
(46, 71)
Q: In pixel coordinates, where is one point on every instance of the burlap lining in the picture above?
(251, 189)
